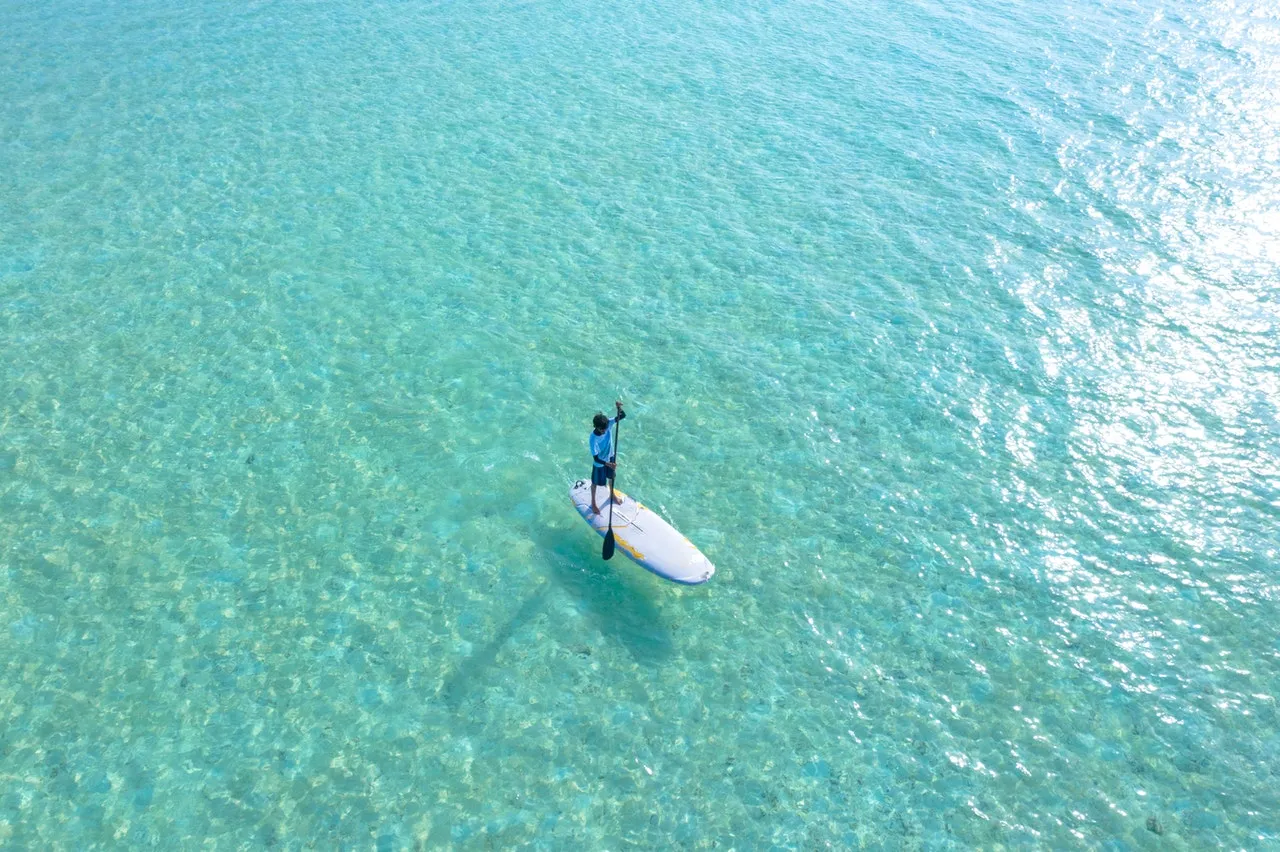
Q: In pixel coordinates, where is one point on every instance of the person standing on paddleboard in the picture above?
(603, 463)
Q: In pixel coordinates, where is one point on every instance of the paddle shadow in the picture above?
(474, 667)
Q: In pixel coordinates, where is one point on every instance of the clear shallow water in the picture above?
(948, 333)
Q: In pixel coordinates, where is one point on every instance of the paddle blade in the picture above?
(607, 552)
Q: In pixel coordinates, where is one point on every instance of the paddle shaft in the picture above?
(607, 550)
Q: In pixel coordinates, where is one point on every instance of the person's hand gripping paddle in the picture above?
(607, 552)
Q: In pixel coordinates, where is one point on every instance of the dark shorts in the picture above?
(601, 475)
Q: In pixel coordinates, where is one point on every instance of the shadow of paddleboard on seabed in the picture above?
(616, 605)
(616, 596)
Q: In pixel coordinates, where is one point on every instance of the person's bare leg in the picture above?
(595, 509)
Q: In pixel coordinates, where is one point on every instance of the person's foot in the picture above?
(617, 499)
(595, 510)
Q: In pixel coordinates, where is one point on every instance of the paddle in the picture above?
(607, 552)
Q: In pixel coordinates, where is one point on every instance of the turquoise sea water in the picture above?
(947, 330)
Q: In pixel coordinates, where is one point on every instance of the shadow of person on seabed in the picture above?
(615, 596)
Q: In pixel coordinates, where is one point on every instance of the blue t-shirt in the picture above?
(602, 445)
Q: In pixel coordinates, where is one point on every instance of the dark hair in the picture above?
(600, 421)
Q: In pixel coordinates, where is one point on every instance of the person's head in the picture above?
(601, 422)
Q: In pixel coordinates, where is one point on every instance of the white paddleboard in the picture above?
(643, 535)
